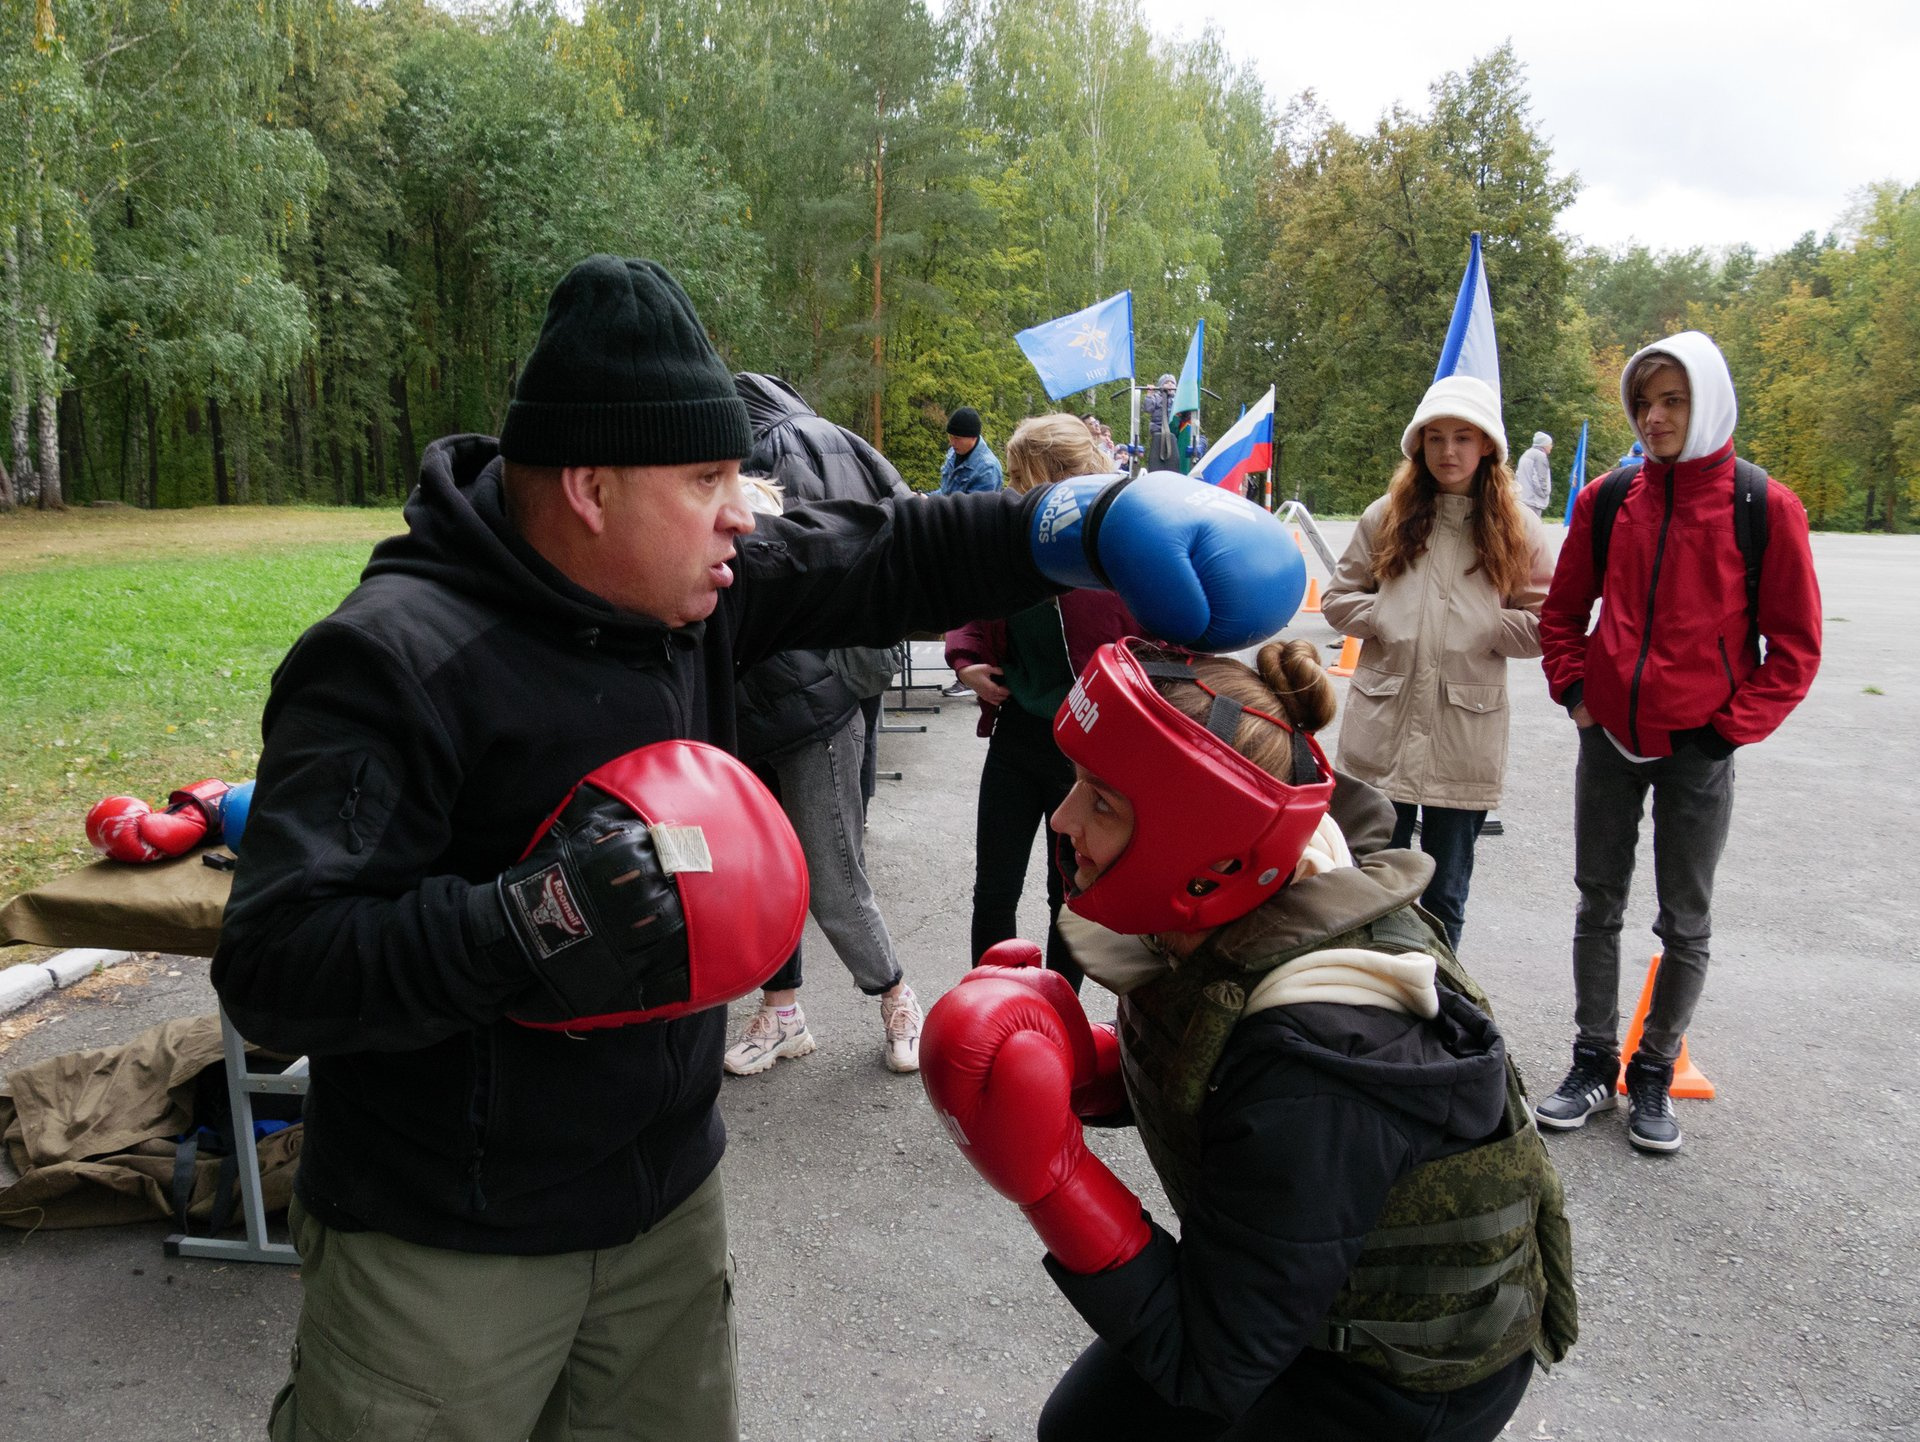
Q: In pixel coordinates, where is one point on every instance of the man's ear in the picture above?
(584, 488)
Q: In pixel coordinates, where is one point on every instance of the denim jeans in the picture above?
(1023, 782)
(819, 788)
(1447, 835)
(1692, 810)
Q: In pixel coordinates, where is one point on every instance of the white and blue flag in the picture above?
(1186, 392)
(1088, 348)
(1469, 348)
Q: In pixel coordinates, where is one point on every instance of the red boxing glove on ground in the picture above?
(1098, 1088)
(125, 828)
(998, 1067)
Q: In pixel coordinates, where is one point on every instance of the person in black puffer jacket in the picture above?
(812, 459)
(800, 730)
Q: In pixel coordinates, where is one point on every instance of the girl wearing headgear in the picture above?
(1442, 584)
(1372, 1244)
(1021, 668)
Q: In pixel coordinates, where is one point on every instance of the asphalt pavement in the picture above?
(1757, 1286)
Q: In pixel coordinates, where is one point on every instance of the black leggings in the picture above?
(1023, 782)
(1318, 1399)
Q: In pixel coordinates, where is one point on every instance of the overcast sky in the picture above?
(1689, 122)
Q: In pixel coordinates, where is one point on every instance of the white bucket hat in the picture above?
(1458, 398)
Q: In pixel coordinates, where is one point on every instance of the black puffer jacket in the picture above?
(812, 458)
(414, 740)
(796, 697)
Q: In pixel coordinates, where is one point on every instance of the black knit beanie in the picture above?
(964, 422)
(623, 375)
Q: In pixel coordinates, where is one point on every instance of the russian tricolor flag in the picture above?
(1244, 450)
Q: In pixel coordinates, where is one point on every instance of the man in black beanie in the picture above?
(509, 1230)
(970, 463)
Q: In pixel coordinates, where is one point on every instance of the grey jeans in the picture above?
(819, 788)
(1692, 807)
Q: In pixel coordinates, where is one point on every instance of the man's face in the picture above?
(667, 538)
(963, 445)
(1662, 409)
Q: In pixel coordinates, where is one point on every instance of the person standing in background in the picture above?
(1664, 685)
(1021, 668)
(1533, 475)
(970, 464)
(1442, 583)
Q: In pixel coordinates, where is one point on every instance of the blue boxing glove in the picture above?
(234, 809)
(1198, 565)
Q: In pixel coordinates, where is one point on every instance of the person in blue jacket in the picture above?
(971, 464)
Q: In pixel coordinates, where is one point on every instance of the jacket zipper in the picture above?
(1727, 666)
(479, 1111)
(1646, 632)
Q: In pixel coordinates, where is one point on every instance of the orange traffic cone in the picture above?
(1687, 1078)
(1312, 603)
(1349, 658)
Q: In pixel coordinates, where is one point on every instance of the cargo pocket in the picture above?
(1370, 736)
(1471, 734)
(331, 1397)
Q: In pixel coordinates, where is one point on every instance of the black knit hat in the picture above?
(623, 375)
(964, 422)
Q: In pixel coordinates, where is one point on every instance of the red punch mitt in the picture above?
(668, 881)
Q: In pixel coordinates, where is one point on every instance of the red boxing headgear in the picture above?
(1214, 835)
(726, 856)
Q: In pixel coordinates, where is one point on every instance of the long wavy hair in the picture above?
(1501, 545)
(1049, 448)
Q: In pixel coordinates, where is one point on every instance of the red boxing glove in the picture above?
(127, 829)
(1098, 1088)
(113, 829)
(998, 1067)
(191, 817)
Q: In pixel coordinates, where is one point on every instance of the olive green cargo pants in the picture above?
(398, 1341)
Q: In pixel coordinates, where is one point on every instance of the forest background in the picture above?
(264, 252)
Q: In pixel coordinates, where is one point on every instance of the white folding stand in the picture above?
(241, 1087)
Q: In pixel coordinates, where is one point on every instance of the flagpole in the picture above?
(1133, 423)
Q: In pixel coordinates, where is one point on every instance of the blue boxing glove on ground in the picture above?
(1198, 565)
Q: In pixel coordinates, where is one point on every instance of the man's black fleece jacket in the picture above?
(414, 741)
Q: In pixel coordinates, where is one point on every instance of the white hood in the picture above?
(1715, 411)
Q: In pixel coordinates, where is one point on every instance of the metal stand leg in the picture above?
(241, 1085)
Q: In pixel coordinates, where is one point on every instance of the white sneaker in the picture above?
(900, 1015)
(766, 1040)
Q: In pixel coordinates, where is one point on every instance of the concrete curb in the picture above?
(22, 984)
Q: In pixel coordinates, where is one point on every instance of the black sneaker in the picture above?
(1589, 1088)
(1650, 1123)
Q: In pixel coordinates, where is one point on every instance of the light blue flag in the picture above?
(1577, 476)
(1088, 348)
(1470, 349)
(1186, 395)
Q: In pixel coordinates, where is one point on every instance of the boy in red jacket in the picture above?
(1667, 683)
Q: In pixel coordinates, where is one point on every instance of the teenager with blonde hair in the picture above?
(1020, 668)
(1442, 583)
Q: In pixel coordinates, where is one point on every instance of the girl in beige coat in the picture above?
(1442, 583)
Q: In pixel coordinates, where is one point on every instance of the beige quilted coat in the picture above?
(1425, 718)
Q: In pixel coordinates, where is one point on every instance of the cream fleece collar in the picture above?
(1348, 976)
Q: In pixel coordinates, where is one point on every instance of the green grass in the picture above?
(136, 676)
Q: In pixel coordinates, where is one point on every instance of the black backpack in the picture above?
(1749, 522)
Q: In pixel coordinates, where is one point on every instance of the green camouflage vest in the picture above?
(1470, 1264)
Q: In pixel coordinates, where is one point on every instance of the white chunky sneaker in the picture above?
(766, 1040)
(900, 1015)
